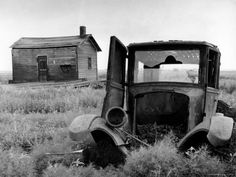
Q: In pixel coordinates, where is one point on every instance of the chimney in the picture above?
(82, 31)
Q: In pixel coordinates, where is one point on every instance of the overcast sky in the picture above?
(213, 21)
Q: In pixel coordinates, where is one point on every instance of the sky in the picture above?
(131, 21)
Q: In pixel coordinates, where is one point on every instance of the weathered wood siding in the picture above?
(62, 56)
(25, 67)
(86, 51)
(25, 64)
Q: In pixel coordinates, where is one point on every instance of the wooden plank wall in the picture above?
(62, 56)
(84, 52)
(25, 65)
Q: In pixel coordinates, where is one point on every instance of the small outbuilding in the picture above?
(55, 58)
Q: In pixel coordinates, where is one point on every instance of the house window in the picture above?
(66, 68)
(89, 63)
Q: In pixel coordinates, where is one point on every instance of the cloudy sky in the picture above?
(130, 20)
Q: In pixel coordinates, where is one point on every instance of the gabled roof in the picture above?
(49, 42)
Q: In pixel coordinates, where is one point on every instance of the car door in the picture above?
(115, 86)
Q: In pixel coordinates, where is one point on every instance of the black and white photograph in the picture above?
(117, 88)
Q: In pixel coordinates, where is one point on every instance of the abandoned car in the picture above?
(172, 83)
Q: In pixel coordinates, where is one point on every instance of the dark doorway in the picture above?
(42, 68)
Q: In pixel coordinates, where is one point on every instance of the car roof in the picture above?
(173, 43)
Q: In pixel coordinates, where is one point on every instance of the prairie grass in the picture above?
(227, 82)
(228, 85)
(29, 130)
(5, 77)
(228, 75)
(48, 100)
(230, 99)
(15, 164)
(33, 122)
(25, 131)
(162, 159)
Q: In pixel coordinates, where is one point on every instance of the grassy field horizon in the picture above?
(35, 121)
(5, 76)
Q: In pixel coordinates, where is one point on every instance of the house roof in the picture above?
(49, 42)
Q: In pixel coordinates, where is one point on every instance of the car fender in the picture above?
(79, 129)
(220, 130)
(216, 130)
(84, 129)
(98, 126)
(200, 131)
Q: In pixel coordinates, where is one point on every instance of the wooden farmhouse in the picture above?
(55, 58)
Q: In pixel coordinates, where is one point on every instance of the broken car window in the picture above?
(167, 66)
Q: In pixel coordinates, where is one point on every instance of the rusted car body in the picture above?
(164, 82)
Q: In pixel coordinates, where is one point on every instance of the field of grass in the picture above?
(227, 86)
(35, 121)
(5, 77)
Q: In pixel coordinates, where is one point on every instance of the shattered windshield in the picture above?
(167, 66)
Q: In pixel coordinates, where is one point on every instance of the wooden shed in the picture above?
(55, 58)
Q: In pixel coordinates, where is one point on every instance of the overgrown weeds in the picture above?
(162, 160)
(34, 122)
(49, 100)
(228, 85)
(15, 164)
(27, 131)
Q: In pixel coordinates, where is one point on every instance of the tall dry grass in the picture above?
(227, 85)
(33, 122)
(48, 100)
(162, 160)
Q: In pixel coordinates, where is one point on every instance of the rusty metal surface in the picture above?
(173, 43)
(194, 93)
(189, 106)
(115, 91)
(99, 125)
